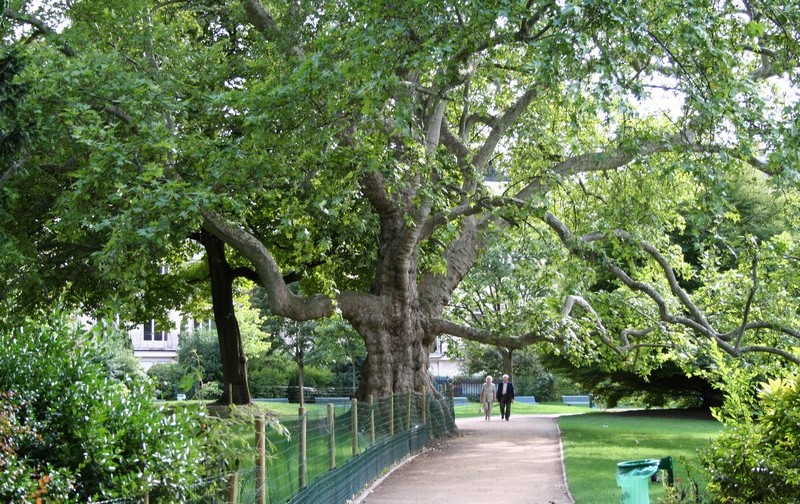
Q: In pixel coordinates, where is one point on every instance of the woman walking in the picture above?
(488, 397)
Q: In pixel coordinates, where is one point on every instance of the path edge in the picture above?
(359, 498)
(563, 466)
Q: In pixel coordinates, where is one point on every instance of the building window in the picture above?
(150, 333)
(203, 325)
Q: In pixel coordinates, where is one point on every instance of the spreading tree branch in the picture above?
(438, 326)
(695, 320)
(263, 21)
(499, 128)
(282, 300)
(571, 301)
(749, 303)
(40, 26)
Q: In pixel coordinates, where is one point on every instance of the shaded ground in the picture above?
(509, 462)
(689, 414)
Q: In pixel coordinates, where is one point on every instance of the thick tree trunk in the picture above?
(393, 318)
(397, 357)
(396, 362)
(234, 361)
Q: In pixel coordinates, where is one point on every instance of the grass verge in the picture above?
(518, 408)
(595, 442)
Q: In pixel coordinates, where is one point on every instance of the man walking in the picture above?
(505, 396)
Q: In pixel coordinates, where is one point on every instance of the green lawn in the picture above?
(471, 410)
(289, 409)
(594, 443)
(237, 432)
(522, 409)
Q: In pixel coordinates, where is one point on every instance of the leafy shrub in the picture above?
(268, 382)
(115, 351)
(166, 379)
(200, 349)
(347, 376)
(313, 376)
(755, 458)
(540, 386)
(20, 482)
(269, 376)
(79, 434)
(208, 390)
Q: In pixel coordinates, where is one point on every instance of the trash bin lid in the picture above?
(634, 468)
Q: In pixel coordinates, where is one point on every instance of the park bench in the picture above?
(460, 401)
(529, 399)
(577, 400)
(271, 399)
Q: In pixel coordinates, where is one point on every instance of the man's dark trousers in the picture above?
(505, 399)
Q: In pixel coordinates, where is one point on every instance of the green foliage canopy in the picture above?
(346, 145)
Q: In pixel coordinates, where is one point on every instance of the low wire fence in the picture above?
(331, 451)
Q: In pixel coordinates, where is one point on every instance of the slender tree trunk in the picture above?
(352, 375)
(234, 361)
(301, 382)
(508, 364)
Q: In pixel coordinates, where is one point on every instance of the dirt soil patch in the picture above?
(512, 462)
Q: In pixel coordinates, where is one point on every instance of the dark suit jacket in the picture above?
(509, 392)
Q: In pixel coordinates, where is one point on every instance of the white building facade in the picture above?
(155, 346)
(440, 364)
(152, 345)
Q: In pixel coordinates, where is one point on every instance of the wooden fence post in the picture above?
(230, 394)
(331, 438)
(261, 461)
(233, 488)
(424, 406)
(354, 414)
(301, 453)
(371, 421)
(408, 411)
(391, 415)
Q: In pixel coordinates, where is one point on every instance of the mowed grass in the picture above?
(594, 443)
(237, 432)
(241, 433)
(471, 410)
(518, 408)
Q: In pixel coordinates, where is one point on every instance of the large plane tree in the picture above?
(346, 145)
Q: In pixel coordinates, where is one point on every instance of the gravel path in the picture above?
(509, 462)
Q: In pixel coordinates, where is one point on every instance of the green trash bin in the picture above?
(633, 477)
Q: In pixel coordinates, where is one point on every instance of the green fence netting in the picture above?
(340, 484)
(384, 426)
(347, 447)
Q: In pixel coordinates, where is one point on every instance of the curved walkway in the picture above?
(512, 462)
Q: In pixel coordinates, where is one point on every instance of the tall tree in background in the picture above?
(513, 293)
(346, 145)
